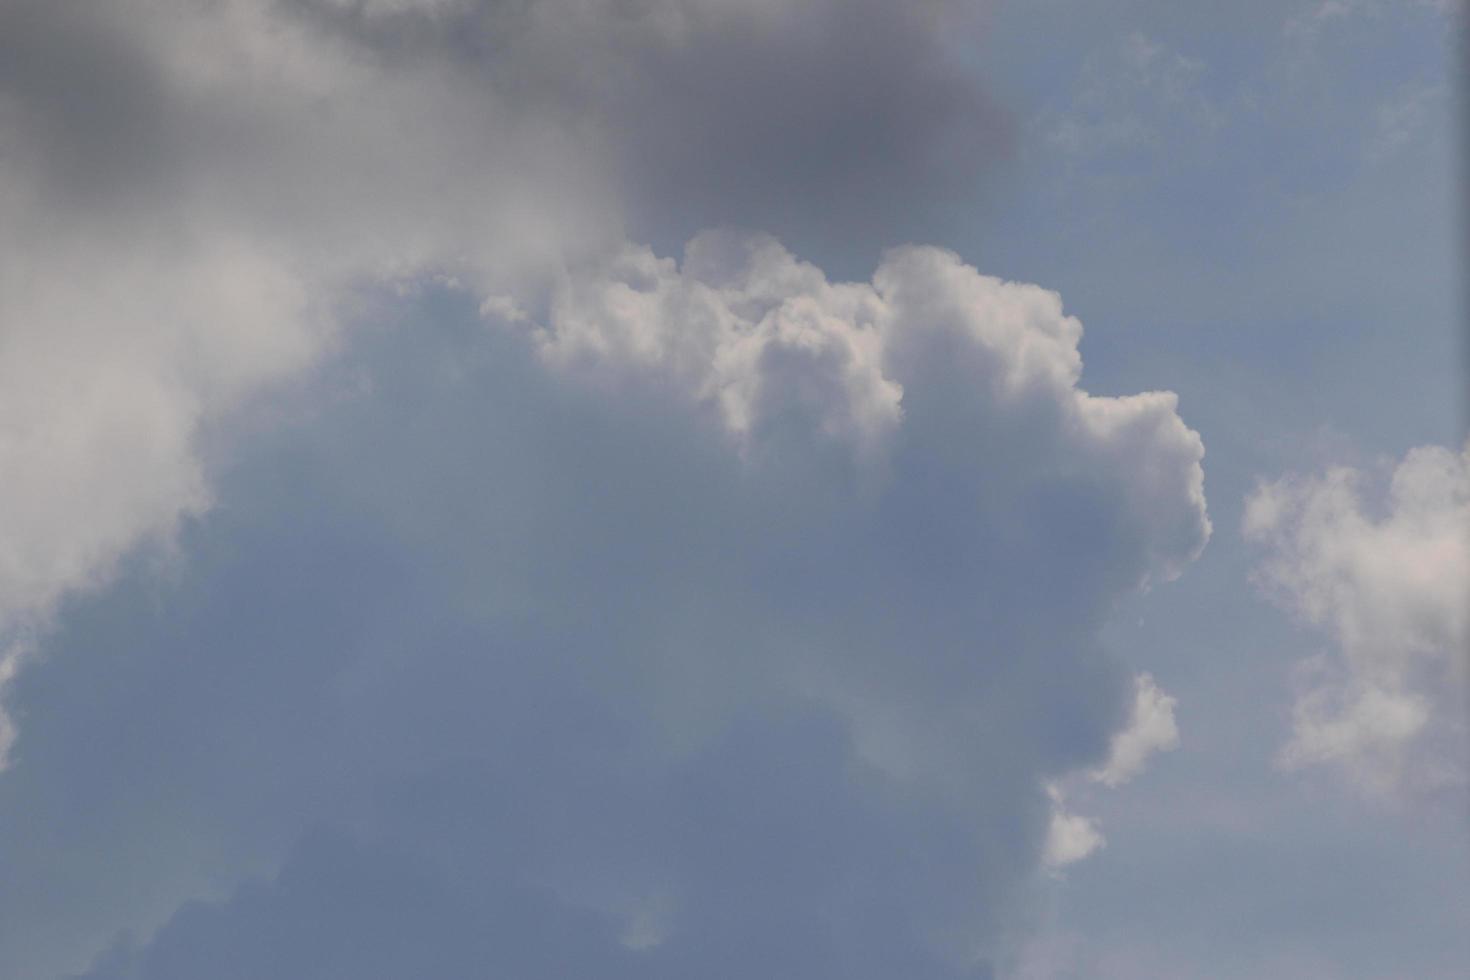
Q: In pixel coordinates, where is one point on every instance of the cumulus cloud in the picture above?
(1387, 580)
(747, 330)
(767, 635)
(577, 611)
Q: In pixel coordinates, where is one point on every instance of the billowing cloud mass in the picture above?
(419, 579)
(751, 636)
(1387, 580)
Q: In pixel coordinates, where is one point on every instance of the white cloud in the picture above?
(779, 340)
(1388, 582)
(1150, 729)
(748, 330)
(1069, 837)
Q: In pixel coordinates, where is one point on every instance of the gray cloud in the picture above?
(818, 120)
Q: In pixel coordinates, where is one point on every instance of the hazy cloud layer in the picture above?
(1387, 580)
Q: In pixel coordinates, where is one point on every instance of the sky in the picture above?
(733, 489)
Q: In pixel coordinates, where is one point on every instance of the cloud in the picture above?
(194, 196)
(709, 645)
(156, 270)
(187, 193)
(1069, 837)
(1148, 729)
(1151, 729)
(1387, 581)
(804, 119)
(532, 601)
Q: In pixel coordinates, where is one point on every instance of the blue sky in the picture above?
(732, 489)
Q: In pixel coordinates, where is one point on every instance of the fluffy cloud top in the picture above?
(1388, 582)
(768, 342)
